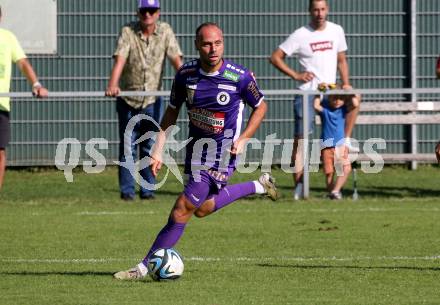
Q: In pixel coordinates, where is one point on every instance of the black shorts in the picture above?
(5, 129)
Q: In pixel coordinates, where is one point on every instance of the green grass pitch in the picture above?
(60, 243)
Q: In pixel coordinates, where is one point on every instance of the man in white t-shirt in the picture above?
(320, 47)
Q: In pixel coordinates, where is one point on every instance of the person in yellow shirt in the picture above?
(11, 51)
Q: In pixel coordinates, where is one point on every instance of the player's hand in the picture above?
(437, 152)
(347, 87)
(112, 91)
(38, 90)
(238, 146)
(155, 166)
(305, 77)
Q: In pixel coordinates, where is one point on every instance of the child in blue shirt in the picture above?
(334, 151)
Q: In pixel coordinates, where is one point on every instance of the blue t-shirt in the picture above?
(333, 124)
(215, 104)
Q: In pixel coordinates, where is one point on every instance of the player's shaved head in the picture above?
(205, 25)
(312, 2)
(209, 43)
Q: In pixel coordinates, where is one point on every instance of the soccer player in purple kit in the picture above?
(215, 91)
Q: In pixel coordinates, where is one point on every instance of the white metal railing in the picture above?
(412, 92)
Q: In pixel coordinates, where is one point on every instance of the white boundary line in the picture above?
(220, 259)
(248, 211)
(109, 213)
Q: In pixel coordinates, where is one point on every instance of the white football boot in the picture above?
(268, 182)
(132, 274)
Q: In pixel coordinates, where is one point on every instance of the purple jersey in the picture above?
(215, 104)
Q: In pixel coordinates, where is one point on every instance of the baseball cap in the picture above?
(148, 4)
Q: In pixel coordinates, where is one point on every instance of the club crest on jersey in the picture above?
(223, 98)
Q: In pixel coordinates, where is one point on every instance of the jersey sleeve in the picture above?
(17, 52)
(342, 45)
(250, 92)
(123, 43)
(178, 93)
(291, 45)
(173, 49)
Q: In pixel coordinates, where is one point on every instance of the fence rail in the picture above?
(419, 112)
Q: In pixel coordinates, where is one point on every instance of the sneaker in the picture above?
(335, 196)
(127, 197)
(268, 182)
(147, 197)
(298, 193)
(132, 274)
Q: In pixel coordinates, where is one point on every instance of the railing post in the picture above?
(305, 152)
(414, 140)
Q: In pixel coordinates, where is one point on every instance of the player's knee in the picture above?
(199, 213)
(347, 169)
(205, 209)
(183, 209)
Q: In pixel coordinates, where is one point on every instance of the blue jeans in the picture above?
(298, 112)
(125, 113)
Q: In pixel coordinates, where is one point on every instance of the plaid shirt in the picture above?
(145, 59)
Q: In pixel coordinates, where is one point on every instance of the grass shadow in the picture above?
(68, 273)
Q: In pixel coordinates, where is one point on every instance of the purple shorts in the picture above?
(198, 189)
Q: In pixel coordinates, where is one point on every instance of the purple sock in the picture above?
(233, 192)
(167, 237)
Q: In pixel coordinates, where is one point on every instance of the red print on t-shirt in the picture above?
(321, 46)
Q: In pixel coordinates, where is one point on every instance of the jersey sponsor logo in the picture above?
(231, 76)
(227, 87)
(207, 120)
(189, 70)
(229, 66)
(192, 79)
(223, 98)
(321, 46)
(253, 89)
(190, 63)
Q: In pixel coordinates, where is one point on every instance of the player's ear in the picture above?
(195, 44)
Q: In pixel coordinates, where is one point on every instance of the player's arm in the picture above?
(254, 122)
(26, 68)
(352, 101)
(176, 62)
(278, 60)
(317, 104)
(438, 68)
(113, 83)
(437, 152)
(343, 70)
(169, 119)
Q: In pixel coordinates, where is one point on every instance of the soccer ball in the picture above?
(165, 264)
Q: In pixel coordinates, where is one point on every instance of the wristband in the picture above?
(36, 85)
